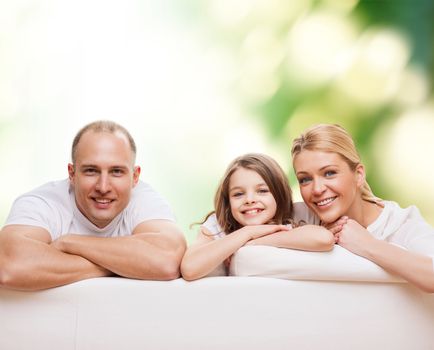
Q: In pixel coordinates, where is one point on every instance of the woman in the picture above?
(333, 185)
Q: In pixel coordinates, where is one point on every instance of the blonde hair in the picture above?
(273, 176)
(335, 139)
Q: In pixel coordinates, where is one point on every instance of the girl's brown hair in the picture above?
(273, 176)
(335, 139)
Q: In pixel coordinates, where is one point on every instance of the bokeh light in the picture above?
(199, 83)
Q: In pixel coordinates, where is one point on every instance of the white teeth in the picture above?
(102, 201)
(325, 201)
(252, 211)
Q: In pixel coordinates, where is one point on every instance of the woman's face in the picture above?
(327, 184)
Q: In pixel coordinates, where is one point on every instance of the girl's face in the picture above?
(327, 184)
(250, 198)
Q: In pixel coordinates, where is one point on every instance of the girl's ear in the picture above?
(360, 175)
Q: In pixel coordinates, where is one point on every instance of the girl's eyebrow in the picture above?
(241, 187)
(235, 188)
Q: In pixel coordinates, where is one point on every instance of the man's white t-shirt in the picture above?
(52, 206)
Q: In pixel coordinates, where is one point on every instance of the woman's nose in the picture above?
(318, 186)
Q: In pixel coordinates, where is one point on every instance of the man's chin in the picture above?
(102, 221)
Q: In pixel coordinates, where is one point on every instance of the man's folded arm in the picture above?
(29, 262)
(153, 251)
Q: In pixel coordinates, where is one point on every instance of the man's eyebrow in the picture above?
(119, 166)
(88, 166)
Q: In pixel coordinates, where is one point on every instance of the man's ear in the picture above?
(361, 175)
(71, 172)
(136, 175)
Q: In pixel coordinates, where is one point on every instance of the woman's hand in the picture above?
(336, 227)
(352, 236)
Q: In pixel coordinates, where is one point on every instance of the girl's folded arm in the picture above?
(308, 237)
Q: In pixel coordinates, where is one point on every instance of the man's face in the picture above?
(103, 175)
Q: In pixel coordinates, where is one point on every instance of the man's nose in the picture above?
(103, 184)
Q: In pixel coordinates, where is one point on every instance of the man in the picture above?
(103, 221)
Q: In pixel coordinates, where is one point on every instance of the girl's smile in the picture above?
(250, 198)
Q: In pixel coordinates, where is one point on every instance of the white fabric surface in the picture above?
(216, 314)
(336, 265)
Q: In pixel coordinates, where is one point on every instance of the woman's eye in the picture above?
(330, 173)
(303, 180)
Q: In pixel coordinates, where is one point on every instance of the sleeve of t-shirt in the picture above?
(146, 204)
(213, 227)
(416, 236)
(33, 210)
(303, 215)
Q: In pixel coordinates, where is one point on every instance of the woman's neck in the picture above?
(364, 212)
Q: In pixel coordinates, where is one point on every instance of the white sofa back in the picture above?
(218, 313)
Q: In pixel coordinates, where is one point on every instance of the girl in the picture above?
(253, 205)
(332, 184)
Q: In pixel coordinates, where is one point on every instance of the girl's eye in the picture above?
(263, 190)
(330, 173)
(237, 194)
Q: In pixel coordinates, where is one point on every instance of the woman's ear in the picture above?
(360, 175)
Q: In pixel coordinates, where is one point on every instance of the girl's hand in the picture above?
(354, 237)
(256, 231)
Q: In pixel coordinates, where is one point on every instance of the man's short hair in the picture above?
(102, 126)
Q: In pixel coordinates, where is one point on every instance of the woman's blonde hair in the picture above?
(274, 177)
(335, 139)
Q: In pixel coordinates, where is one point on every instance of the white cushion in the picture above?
(336, 265)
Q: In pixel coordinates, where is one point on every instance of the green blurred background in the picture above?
(200, 82)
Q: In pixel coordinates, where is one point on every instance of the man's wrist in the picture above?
(65, 243)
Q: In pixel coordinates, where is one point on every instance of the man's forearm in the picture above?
(35, 265)
(142, 256)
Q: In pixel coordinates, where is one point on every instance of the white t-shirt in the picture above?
(404, 227)
(52, 206)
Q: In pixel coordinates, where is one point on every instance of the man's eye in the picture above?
(117, 172)
(89, 171)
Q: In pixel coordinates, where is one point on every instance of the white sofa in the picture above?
(221, 313)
